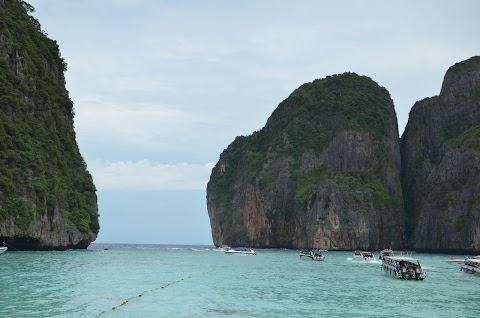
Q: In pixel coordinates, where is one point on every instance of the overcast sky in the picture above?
(161, 88)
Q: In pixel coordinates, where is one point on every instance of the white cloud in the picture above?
(127, 125)
(177, 81)
(149, 175)
(141, 130)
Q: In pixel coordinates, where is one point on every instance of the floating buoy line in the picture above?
(125, 302)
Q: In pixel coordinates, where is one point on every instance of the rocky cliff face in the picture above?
(441, 164)
(47, 197)
(323, 172)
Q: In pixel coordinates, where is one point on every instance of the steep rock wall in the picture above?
(47, 197)
(441, 164)
(323, 172)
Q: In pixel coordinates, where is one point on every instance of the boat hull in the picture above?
(364, 256)
(470, 270)
(366, 259)
(312, 257)
(3, 249)
(411, 271)
(241, 251)
(471, 266)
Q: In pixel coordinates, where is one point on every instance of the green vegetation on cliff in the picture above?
(469, 139)
(466, 66)
(336, 103)
(41, 169)
(305, 122)
(307, 145)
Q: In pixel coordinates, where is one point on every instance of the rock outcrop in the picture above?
(441, 164)
(323, 172)
(47, 197)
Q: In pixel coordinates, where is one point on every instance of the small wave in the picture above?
(200, 249)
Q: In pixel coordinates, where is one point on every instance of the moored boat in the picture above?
(462, 260)
(314, 255)
(471, 266)
(454, 260)
(386, 252)
(3, 249)
(366, 256)
(241, 251)
(404, 267)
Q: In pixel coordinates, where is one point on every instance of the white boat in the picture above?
(454, 260)
(241, 251)
(314, 255)
(404, 267)
(386, 252)
(3, 249)
(461, 260)
(471, 266)
(366, 256)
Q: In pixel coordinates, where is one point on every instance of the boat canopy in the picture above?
(400, 259)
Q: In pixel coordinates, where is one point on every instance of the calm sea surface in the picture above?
(196, 281)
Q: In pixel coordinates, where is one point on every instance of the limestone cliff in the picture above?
(441, 164)
(323, 172)
(47, 197)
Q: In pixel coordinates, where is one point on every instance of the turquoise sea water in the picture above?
(200, 282)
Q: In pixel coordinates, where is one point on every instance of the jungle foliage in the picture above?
(41, 168)
(306, 122)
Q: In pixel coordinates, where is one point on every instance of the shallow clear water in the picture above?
(200, 282)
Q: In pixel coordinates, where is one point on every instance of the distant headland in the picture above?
(328, 170)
